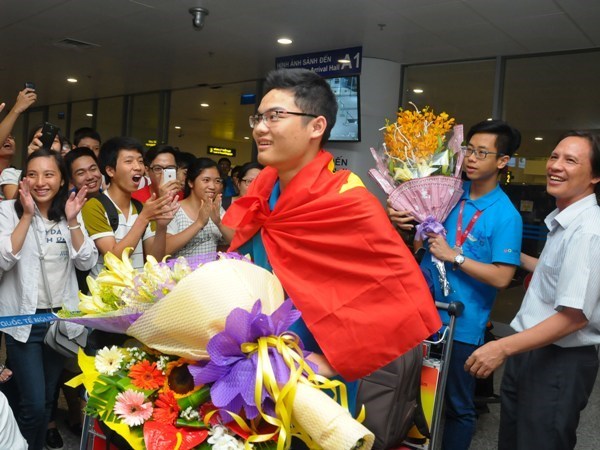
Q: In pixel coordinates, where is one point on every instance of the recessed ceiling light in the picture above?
(538, 138)
(284, 41)
(344, 61)
(177, 127)
(247, 138)
(89, 115)
(72, 80)
(418, 91)
(489, 119)
(204, 105)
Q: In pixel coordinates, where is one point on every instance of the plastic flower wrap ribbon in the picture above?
(243, 369)
(419, 169)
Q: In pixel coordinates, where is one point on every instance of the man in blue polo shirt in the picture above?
(481, 252)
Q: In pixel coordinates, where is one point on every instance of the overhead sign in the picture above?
(331, 63)
(221, 151)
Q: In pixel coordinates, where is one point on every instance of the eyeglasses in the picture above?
(479, 154)
(273, 116)
(160, 169)
(247, 181)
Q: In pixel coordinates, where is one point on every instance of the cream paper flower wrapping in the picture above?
(185, 320)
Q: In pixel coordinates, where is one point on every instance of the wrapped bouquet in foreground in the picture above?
(419, 168)
(214, 366)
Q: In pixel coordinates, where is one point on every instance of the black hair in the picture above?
(77, 153)
(224, 160)
(312, 94)
(185, 159)
(57, 207)
(109, 152)
(245, 168)
(194, 170)
(508, 138)
(594, 141)
(85, 132)
(153, 152)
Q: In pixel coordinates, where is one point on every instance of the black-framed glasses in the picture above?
(160, 169)
(273, 116)
(479, 154)
(247, 181)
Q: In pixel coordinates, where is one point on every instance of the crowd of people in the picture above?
(62, 212)
(364, 298)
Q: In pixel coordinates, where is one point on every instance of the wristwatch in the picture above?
(458, 260)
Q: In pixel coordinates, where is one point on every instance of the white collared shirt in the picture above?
(22, 274)
(567, 274)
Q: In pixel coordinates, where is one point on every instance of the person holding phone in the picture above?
(10, 180)
(10, 175)
(159, 160)
(196, 228)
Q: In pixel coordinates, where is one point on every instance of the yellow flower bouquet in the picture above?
(419, 167)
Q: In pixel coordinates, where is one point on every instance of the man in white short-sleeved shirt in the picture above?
(553, 358)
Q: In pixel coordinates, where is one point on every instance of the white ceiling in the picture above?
(149, 45)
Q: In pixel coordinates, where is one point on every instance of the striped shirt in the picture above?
(567, 274)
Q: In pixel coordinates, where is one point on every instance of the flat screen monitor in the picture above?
(347, 124)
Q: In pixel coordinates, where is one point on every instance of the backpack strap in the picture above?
(111, 211)
(138, 205)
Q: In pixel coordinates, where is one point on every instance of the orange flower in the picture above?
(166, 409)
(146, 375)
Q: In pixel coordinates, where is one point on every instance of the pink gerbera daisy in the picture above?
(131, 409)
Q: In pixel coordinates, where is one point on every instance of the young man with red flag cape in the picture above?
(363, 299)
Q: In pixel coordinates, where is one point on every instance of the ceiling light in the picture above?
(489, 119)
(177, 127)
(418, 91)
(538, 138)
(72, 80)
(344, 61)
(247, 138)
(284, 41)
(89, 115)
(204, 105)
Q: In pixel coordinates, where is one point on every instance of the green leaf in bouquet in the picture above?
(195, 399)
(198, 424)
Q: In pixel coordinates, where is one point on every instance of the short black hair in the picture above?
(594, 141)
(312, 94)
(508, 138)
(57, 208)
(77, 153)
(153, 152)
(85, 132)
(224, 160)
(245, 168)
(109, 152)
(185, 159)
(197, 167)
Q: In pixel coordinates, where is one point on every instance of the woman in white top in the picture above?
(196, 228)
(42, 207)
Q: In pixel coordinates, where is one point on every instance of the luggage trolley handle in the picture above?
(454, 310)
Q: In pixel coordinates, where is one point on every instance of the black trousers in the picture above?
(542, 394)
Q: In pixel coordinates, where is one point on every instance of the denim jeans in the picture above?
(36, 370)
(460, 416)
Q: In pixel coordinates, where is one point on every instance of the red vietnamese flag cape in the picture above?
(330, 243)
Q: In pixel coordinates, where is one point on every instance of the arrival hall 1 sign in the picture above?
(331, 63)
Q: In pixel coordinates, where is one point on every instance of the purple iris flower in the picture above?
(232, 372)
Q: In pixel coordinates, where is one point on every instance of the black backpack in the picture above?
(392, 400)
(113, 220)
(111, 209)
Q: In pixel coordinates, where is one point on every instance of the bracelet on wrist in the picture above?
(74, 227)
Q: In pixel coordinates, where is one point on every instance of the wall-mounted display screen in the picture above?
(347, 124)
